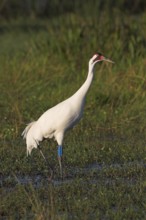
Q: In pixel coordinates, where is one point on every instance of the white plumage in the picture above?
(55, 121)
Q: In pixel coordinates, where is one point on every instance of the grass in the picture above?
(45, 61)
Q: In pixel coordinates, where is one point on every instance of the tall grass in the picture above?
(43, 62)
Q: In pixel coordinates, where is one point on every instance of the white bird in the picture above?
(58, 119)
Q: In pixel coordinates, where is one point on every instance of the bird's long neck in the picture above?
(81, 93)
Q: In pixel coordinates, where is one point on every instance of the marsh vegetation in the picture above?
(42, 62)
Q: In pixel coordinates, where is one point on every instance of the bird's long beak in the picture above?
(108, 60)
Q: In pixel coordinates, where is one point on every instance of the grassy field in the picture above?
(44, 61)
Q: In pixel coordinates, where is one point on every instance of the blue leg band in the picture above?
(60, 151)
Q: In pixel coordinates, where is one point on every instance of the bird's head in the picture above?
(97, 58)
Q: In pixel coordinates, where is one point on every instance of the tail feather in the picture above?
(30, 147)
(24, 133)
(30, 141)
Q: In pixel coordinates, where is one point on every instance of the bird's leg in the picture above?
(60, 153)
(46, 162)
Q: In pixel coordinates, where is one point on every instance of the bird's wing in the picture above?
(59, 117)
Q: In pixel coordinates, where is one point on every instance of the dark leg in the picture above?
(60, 152)
(50, 178)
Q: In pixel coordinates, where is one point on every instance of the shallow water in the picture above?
(38, 180)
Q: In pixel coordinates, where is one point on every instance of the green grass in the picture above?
(45, 61)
